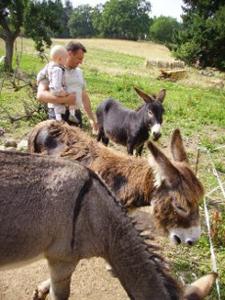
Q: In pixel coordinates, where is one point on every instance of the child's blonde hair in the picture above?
(57, 51)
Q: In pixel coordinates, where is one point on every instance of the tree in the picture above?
(42, 20)
(39, 18)
(11, 21)
(125, 19)
(64, 31)
(80, 22)
(97, 19)
(202, 38)
(163, 29)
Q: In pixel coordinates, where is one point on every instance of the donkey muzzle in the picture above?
(188, 236)
(156, 136)
(155, 132)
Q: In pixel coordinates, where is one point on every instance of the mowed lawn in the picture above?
(112, 68)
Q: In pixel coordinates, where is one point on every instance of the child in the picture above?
(54, 71)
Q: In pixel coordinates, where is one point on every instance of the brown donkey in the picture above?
(170, 187)
(64, 212)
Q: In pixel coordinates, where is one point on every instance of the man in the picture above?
(73, 76)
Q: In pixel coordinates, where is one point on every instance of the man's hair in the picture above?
(74, 47)
(57, 51)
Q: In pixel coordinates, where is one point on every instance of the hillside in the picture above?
(195, 104)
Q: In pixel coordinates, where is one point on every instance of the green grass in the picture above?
(198, 112)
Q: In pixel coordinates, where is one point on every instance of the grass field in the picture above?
(112, 68)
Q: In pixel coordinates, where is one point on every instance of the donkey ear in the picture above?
(177, 147)
(161, 96)
(164, 169)
(147, 98)
(201, 288)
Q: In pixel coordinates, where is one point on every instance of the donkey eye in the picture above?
(150, 113)
(182, 211)
(181, 208)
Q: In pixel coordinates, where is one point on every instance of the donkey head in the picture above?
(153, 111)
(178, 193)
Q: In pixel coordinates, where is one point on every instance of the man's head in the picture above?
(75, 54)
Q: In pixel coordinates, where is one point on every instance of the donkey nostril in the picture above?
(190, 242)
(156, 135)
(177, 239)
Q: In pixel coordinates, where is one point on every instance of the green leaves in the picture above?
(80, 22)
(162, 29)
(41, 20)
(202, 38)
(125, 19)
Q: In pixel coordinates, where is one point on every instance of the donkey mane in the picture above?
(171, 285)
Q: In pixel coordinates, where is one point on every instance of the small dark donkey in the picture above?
(131, 127)
(63, 211)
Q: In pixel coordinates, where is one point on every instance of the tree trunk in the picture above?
(9, 43)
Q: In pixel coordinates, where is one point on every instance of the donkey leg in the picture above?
(101, 136)
(42, 290)
(130, 148)
(78, 115)
(105, 140)
(61, 273)
(139, 150)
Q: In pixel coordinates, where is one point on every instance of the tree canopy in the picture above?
(125, 19)
(38, 18)
(11, 21)
(202, 38)
(163, 29)
(80, 22)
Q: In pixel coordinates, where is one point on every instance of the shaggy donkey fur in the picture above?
(169, 186)
(64, 211)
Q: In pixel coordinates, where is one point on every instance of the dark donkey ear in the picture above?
(161, 96)
(177, 147)
(163, 167)
(147, 98)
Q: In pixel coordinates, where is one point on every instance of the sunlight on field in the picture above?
(147, 50)
(21, 44)
(117, 57)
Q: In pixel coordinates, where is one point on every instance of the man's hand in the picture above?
(45, 96)
(71, 99)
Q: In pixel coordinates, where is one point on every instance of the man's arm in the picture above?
(43, 95)
(87, 107)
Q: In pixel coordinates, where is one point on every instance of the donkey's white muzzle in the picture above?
(155, 131)
(185, 235)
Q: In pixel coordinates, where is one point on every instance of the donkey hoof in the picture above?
(39, 295)
(110, 270)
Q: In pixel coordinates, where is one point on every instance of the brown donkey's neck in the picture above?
(114, 237)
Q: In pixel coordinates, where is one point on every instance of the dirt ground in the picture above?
(90, 281)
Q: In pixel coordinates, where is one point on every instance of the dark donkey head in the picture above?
(153, 114)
